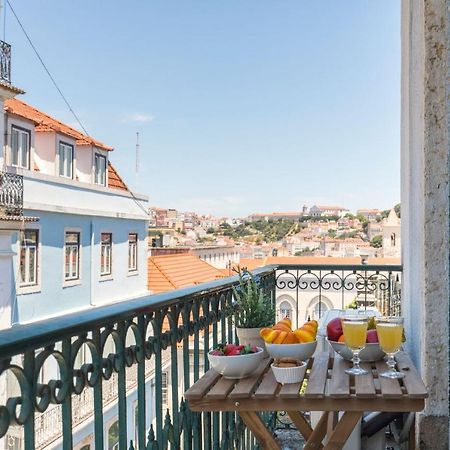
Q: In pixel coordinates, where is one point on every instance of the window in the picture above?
(105, 254)
(65, 160)
(20, 148)
(285, 311)
(29, 258)
(72, 256)
(132, 252)
(100, 170)
(113, 436)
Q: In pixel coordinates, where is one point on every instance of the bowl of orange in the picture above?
(283, 342)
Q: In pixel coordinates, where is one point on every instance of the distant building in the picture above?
(392, 235)
(343, 248)
(374, 229)
(369, 214)
(327, 210)
(219, 256)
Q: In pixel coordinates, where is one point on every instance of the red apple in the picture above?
(372, 337)
(334, 329)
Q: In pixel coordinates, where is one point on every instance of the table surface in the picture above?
(325, 387)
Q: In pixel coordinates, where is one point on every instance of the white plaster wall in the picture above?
(85, 166)
(45, 152)
(47, 193)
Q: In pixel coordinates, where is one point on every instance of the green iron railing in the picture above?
(152, 348)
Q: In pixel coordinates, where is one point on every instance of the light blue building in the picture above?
(89, 246)
(85, 246)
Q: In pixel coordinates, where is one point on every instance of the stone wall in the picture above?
(425, 205)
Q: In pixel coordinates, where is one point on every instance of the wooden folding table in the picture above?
(325, 387)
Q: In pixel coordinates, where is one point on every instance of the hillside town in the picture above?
(316, 231)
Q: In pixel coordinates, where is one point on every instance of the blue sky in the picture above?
(242, 105)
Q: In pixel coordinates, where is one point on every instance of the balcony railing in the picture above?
(5, 62)
(11, 194)
(138, 357)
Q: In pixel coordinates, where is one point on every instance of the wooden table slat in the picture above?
(339, 385)
(244, 388)
(412, 381)
(389, 388)
(202, 386)
(318, 376)
(292, 390)
(268, 386)
(221, 389)
(364, 384)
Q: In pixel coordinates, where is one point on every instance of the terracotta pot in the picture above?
(250, 336)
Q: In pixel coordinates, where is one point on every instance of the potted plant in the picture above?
(253, 309)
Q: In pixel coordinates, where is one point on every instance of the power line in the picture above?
(46, 69)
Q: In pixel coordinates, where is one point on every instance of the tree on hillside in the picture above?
(377, 241)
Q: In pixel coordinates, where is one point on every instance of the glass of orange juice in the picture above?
(390, 333)
(354, 327)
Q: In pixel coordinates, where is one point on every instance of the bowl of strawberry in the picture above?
(371, 352)
(235, 361)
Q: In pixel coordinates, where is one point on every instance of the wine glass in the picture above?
(354, 327)
(390, 333)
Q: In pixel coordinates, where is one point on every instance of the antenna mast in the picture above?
(137, 152)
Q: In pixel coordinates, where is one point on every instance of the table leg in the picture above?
(320, 430)
(343, 430)
(301, 423)
(333, 417)
(258, 428)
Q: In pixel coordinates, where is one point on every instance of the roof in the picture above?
(331, 207)
(114, 179)
(252, 263)
(44, 123)
(177, 271)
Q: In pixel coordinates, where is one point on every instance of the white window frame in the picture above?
(28, 288)
(72, 281)
(98, 178)
(20, 163)
(64, 147)
(106, 271)
(133, 253)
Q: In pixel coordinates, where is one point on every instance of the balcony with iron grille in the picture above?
(134, 360)
(11, 196)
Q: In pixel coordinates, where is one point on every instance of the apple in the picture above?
(372, 337)
(334, 329)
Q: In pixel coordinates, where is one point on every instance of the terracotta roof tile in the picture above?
(44, 122)
(178, 271)
(114, 179)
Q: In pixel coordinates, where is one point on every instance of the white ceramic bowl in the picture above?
(240, 366)
(289, 375)
(370, 353)
(297, 351)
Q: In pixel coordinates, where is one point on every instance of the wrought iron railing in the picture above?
(11, 194)
(5, 61)
(113, 356)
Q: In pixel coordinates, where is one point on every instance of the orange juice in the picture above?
(390, 336)
(355, 333)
